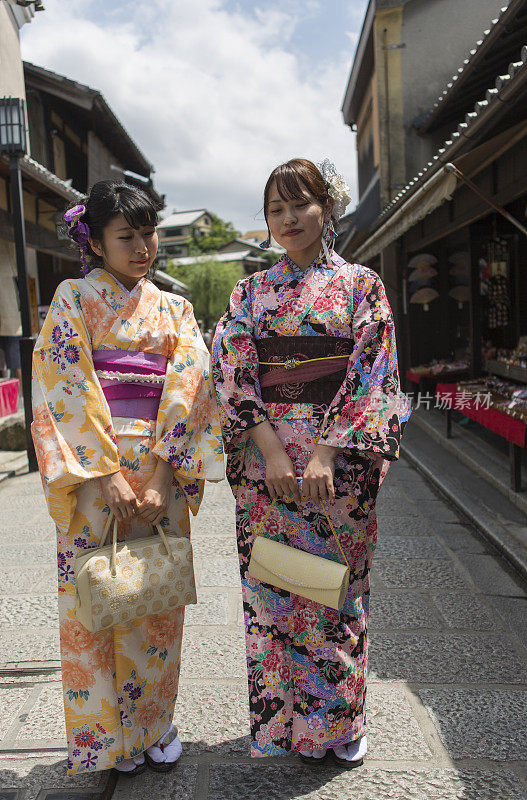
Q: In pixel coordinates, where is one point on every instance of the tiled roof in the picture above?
(43, 175)
(182, 218)
(507, 29)
(493, 96)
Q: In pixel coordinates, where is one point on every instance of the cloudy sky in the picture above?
(215, 92)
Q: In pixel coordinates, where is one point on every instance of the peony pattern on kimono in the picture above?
(307, 663)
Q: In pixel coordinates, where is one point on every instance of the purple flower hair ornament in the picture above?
(79, 231)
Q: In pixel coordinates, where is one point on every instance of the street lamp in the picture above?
(13, 144)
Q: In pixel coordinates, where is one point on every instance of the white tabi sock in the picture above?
(167, 749)
(353, 751)
(130, 764)
(314, 753)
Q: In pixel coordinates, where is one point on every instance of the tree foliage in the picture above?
(221, 233)
(210, 283)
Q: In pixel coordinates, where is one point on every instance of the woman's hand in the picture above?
(118, 495)
(317, 482)
(280, 476)
(154, 495)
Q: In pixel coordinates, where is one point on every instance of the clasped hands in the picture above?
(280, 476)
(150, 503)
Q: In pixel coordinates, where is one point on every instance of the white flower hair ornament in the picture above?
(338, 189)
(339, 192)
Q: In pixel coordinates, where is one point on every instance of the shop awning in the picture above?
(436, 190)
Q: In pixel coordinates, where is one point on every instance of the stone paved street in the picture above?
(447, 693)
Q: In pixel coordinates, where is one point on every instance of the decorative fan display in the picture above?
(422, 259)
(460, 273)
(461, 294)
(460, 259)
(424, 297)
(422, 273)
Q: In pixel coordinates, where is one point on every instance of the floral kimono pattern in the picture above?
(307, 663)
(120, 685)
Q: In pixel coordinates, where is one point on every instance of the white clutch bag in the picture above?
(118, 583)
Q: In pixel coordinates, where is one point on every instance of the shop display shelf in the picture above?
(506, 371)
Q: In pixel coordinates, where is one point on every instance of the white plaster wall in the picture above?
(10, 324)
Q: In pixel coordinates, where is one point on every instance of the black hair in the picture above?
(105, 201)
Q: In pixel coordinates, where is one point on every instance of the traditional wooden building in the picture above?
(451, 243)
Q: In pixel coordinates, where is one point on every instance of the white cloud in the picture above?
(214, 97)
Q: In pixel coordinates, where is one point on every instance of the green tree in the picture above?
(221, 233)
(210, 283)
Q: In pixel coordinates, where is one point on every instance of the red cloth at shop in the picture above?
(513, 430)
(8, 397)
(413, 376)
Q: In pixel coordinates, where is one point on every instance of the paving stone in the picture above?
(436, 658)
(475, 723)
(23, 517)
(30, 503)
(393, 731)
(464, 611)
(222, 571)
(396, 508)
(27, 533)
(514, 611)
(213, 719)
(29, 611)
(216, 654)
(492, 576)
(211, 547)
(28, 580)
(418, 573)
(418, 491)
(11, 701)
(409, 547)
(33, 773)
(180, 784)
(284, 782)
(46, 718)
(217, 523)
(460, 539)
(211, 609)
(438, 510)
(29, 644)
(389, 525)
(402, 611)
(29, 553)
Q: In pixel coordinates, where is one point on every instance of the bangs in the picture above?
(137, 208)
(289, 184)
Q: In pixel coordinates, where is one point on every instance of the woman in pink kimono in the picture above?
(332, 430)
(125, 424)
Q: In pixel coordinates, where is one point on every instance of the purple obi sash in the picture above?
(132, 382)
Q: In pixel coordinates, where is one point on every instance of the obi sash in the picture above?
(292, 381)
(132, 382)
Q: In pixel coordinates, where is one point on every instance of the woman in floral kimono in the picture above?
(138, 450)
(332, 428)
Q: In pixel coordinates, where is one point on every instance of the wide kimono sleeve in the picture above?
(369, 412)
(188, 432)
(236, 367)
(72, 426)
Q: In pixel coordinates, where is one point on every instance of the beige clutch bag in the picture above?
(319, 579)
(118, 583)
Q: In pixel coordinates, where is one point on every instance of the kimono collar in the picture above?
(103, 276)
(318, 262)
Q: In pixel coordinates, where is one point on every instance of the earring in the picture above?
(328, 235)
(265, 244)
